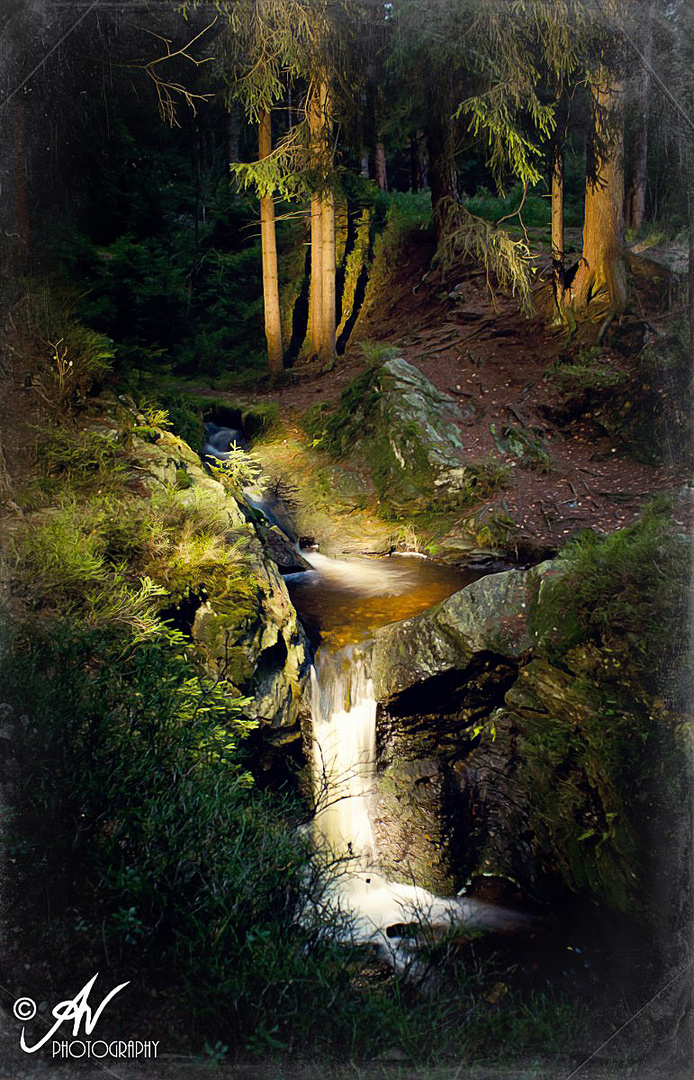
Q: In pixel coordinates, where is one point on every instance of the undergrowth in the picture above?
(630, 592)
(138, 802)
(642, 401)
(61, 358)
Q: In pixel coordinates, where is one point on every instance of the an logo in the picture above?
(79, 1011)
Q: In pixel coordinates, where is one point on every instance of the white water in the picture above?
(368, 577)
(344, 744)
(344, 773)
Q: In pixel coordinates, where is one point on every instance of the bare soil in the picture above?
(493, 361)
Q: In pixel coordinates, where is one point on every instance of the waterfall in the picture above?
(344, 776)
(344, 747)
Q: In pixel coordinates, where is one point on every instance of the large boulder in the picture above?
(405, 431)
(493, 614)
(493, 761)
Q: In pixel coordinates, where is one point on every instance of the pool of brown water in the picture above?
(344, 600)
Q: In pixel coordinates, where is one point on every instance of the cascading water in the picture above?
(344, 775)
(344, 742)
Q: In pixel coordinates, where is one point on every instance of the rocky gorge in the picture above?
(501, 751)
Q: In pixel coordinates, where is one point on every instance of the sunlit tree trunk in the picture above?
(558, 205)
(602, 272)
(316, 296)
(635, 206)
(327, 345)
(271, 296)
(322, 296)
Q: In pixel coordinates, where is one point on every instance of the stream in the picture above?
(347, 600)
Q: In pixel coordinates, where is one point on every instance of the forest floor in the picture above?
(498, 363)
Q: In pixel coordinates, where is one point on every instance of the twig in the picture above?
(166, 90)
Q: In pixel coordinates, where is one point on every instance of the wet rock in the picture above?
(492, 614)
(282, 553)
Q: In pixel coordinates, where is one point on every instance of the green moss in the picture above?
(628, 591)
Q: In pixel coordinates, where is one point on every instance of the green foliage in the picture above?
(185, 418)
(375, 352)
(82, 458)
(167, 302)
(237, 471)
(535, 210)
(629, 591)
(333, 430)
(507, 262)
(62, 357)
(583, 762)
(591, 371)
(527, 445)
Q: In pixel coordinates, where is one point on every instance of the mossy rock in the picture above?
(408, 824)
(490, 615)
(406, 432)
(577, 770)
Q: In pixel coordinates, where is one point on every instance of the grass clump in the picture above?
(590, 371)
(81, 458)
(643, 405)
(63, 357)
(629, 591)
(527, 445)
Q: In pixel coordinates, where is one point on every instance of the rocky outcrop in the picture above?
(491, 615)
(493, 761)
(246, 632)
(404, 430)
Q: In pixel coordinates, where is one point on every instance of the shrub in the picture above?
(64, 357)
(135, 763)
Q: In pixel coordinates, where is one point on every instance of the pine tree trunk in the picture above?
(423, 160)
(414, 163)
(20, 170)
(327, 346)
(602, 264)
(380, 166)
(21, 186)
(635, 205)
(233, 134)
(322, 295)
(442, 179)
(316, 296)
(558, 206)
(271, 297)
